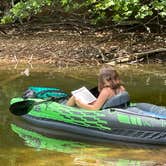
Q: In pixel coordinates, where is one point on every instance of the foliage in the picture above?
(97, 10)
(25, 9)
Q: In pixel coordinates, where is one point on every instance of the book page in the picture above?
(84, 95)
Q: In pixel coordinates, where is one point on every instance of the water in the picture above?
(19, 147)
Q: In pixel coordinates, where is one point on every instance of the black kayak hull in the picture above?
(78, 133)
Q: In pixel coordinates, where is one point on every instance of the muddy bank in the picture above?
(66, 47)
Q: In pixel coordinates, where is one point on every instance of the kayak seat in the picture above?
(121, 100)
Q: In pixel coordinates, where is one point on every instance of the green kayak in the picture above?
(139, 123)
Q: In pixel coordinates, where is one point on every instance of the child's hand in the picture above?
(78, 102)
(71, 101)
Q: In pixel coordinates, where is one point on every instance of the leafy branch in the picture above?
(97, 10)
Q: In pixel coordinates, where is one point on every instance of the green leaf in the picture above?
(162, 14)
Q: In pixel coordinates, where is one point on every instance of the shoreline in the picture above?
(71, 48)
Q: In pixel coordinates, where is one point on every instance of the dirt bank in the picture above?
(66, 47)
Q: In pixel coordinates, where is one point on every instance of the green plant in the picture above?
(97, 10)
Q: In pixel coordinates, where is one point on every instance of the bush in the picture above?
(97, 10)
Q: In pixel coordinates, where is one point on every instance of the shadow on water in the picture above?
(144, 83)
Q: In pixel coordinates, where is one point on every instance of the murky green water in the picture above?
(145, 84)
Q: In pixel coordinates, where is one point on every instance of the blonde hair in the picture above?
(108, 77)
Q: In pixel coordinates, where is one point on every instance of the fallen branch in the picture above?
(137, 56)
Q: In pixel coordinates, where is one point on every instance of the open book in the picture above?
(84, 95)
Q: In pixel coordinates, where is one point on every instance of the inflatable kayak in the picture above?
(138, 123)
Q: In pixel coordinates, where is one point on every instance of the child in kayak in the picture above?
(109, 85)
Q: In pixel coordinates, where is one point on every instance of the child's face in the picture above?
(103, 84)
(106, 83)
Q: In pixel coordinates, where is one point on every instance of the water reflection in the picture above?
(82, 154)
